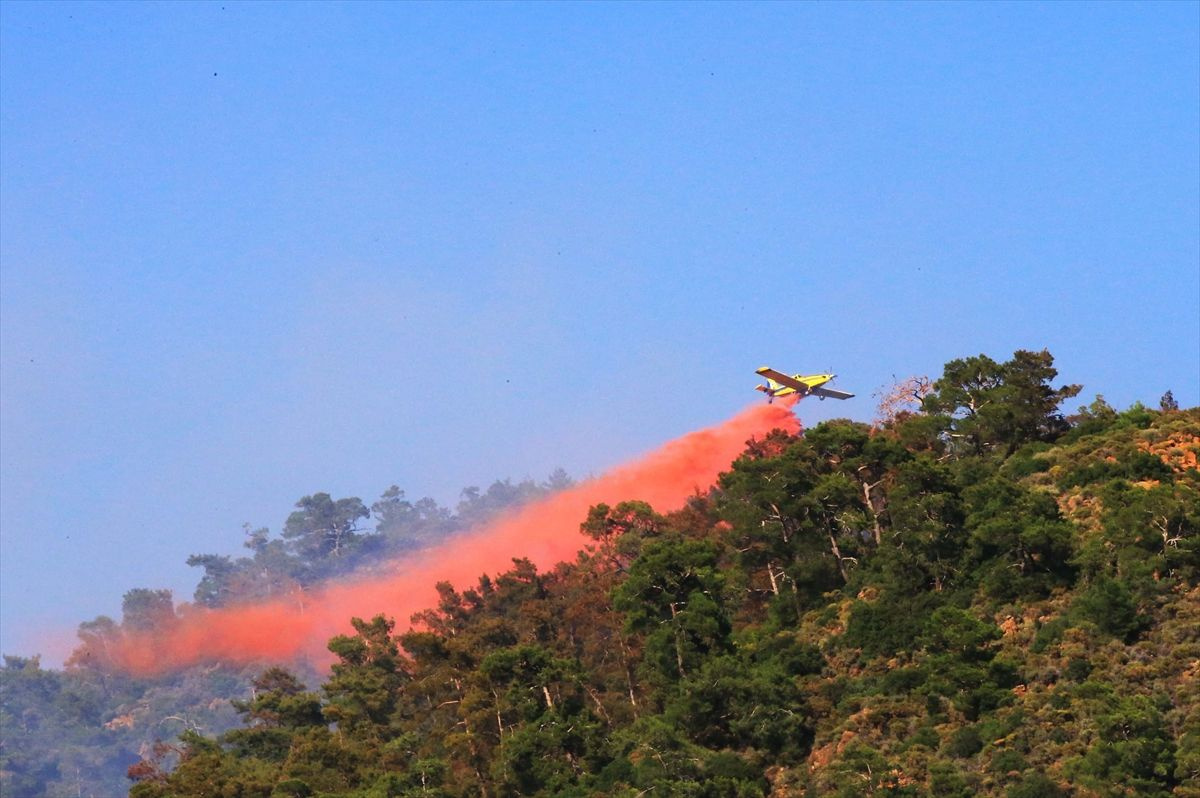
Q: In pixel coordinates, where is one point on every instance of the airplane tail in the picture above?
(769, 389)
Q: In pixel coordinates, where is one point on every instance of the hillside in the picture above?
(978, 595)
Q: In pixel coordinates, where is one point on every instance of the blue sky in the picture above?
(250, 252)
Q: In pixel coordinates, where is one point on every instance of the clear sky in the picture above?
(251, 252)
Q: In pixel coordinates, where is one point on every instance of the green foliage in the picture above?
(1020, 544)
(961, 665)
(1150, 531)
(321, 527)
(673, 594)
(947, 781)
(215, 587)
(1093, 419)
(145, 610)
(279, 708)
(974, 599)
(886, 627)
(1108, 603)
(988, 405)
(1133, 751)
(1078, 669)
(733, 704)
(1025, 461)
(657, 757)
(1135, 467)
(964, 742)
(363, 687)
(953, 633)
(1035, 785)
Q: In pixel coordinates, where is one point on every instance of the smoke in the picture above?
(546, 532)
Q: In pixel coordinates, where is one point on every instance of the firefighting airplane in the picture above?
(779, 384)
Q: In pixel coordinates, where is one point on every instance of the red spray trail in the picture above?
(546, 532)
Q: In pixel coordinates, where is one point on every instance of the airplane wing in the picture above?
(830, 393)
(783, 379)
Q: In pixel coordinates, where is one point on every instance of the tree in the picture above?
(1019, 540)
(901, 400)
(926, 511)
(746, 701)
(321, 527)
(478, 506)
(549, 740)
(409, 525)
(278, 709)
(852, 450)
(673, 596)
(960, 662)
(365, 685)
(1151, 531)
(214, 588)
(1109, 604)
(621, 530)
(777, 523)
(144, 610)
(273, 571)
(1133, 752)
(988, 405)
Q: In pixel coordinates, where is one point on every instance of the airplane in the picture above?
(780, 384)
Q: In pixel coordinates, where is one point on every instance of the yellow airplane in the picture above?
(780, 384)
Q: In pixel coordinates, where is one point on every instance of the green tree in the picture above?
(988, 405)
(144, 610)
(620, 530)
(744, 701)
(1019, 542)
(962, 664)
(1133, 752)
(673, 596)
(1109, 604)
(214, 588)
(321, 527)
(365, 683)
(926, 510)
(779, 527)
(279, 708)
(409, 525)
(1150, 531)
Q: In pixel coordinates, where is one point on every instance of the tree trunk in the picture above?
(866, 486)
(837, 556)
(471, 741)
(678, 643)
(771, 576)
(628, 668)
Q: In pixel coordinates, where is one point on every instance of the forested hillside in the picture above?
(76, 732)
(980, 594)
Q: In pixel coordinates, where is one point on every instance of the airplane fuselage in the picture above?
(809, 381)
(779, 384)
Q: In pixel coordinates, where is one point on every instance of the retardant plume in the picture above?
(546, 532)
